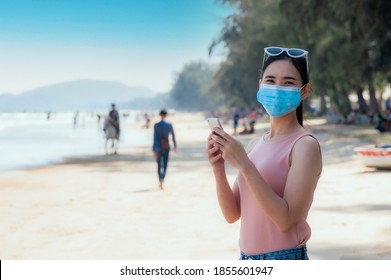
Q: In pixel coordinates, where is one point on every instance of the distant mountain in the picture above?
(74, 95)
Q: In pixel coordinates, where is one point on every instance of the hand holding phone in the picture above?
(214, 122)
(213, 150)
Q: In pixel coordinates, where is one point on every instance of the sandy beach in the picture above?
(110, 207)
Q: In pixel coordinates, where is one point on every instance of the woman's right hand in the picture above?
(214, 154)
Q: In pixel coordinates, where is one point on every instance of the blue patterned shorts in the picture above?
(289, 254)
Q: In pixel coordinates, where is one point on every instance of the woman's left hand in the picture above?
(232, 150)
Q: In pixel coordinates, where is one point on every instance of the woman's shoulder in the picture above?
(307, 149)
(305, 139)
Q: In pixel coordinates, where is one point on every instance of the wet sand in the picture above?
(110, 207)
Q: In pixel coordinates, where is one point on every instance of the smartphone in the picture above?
(214, 122)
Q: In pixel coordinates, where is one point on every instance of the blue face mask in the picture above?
(278, 100)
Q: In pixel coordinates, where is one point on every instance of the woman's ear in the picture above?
(260, 82)
(305, 91)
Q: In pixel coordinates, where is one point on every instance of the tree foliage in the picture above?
(194, 88)
(349, 43)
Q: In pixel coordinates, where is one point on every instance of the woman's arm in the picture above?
(226, 197)
(228, 202)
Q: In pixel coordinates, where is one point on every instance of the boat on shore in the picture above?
(377, 156)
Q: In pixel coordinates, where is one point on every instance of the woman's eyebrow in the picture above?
(290, 78)
(285, 78)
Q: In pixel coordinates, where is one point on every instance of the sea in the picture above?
(32, 139)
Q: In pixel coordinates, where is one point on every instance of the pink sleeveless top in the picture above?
(258, 233)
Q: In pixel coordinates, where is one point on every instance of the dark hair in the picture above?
(163, 112)
(300, 64)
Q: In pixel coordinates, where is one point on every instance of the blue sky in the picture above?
(137, 42)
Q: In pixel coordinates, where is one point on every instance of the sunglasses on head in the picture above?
(291, 52)
(294, 53)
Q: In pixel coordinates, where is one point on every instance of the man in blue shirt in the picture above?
(161, 145)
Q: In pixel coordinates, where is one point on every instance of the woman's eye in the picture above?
(270, 81)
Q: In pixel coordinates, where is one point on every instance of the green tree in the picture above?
(349, 43)
(194, 88)
(245, 34)
(357, 39)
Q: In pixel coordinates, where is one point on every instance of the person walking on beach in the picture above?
(161, 145)
(236, 118)
(75, 118)
(279, 172)
(147, 120)
(114, 119)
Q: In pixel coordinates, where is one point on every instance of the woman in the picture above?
(278, 174)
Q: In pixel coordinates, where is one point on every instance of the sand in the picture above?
(110, 207)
